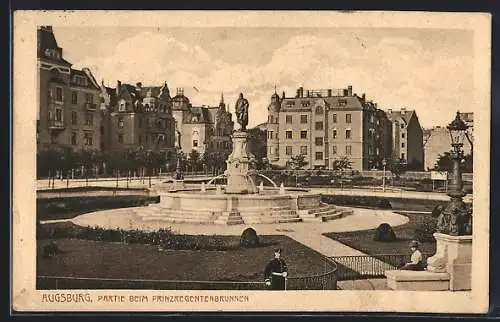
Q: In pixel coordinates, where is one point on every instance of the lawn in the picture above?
(363, 240)
(94, 259)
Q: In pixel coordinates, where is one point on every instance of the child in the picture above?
(417, 260)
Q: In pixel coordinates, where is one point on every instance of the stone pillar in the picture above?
(454, 256)
(238, 180)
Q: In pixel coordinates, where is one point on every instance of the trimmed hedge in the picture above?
(53, 208)
(89, 188)
(360, 201)
(163, 238)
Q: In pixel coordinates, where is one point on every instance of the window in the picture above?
(334, 118)
(402, 126)
(53, 138)
(342, 102)
(303, 150)
(319, 155)
(122, 107)
(319, 126)
(288, 150)
(276, 136)
(74, 118)
(59, 115)
(334, 149)
(271, 119)
(120, 138)
(288, 134)
(290, 103)
(403, 145)
(402, 156)
(74, 97)
(288, 119)
(318, 141)
(88, 138)
(89, 98)
(271, 134)
(303, 119)
(319, 110)
(59, 94)
(347, 134)
(306, 104)
(276, 151)
(334, 134)
(348, 118)
(402, 135)
(89, 119)
(73, 138)
(140, 139)
(101, 130)
(348, 150)
(120, 122)
(195, 143)
(303, 134)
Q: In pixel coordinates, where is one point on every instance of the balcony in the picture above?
(90, 106)
(56, 125)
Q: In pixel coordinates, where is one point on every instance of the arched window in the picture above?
(319, 110)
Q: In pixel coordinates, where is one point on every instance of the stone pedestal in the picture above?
(401, 280)
(238, 180)
(454, 256)
(178, 184)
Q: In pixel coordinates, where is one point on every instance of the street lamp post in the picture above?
(456, 218)
(384, 163)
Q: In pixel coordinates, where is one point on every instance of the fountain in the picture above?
(240, 201)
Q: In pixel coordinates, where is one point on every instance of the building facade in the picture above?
(68, 114)
(257, 143)
(136, 116)
(407, 138)
(326, 125)
(437, 141)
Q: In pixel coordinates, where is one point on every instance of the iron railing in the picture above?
(369, 266)
(323, 281)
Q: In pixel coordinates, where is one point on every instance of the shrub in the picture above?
(249, 238)
(425, 230)
(384, 233)
(358, 201)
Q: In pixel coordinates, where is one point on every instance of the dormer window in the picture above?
(342, 102)
(122, 107)
(319, 110)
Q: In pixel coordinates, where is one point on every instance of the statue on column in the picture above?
(241, 110)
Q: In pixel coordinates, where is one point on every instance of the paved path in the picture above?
(136, 183)
(309, 234)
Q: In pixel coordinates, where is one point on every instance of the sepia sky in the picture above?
(429, 70)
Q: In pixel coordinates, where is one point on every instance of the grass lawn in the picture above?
(83, 258)
(363, 240)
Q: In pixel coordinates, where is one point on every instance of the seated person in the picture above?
(417, 260)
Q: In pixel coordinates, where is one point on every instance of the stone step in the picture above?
(320, 209)
(180, 221)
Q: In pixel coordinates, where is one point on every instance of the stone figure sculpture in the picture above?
(241, 110)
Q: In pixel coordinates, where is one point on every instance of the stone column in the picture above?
(454, 256)
(238, 163)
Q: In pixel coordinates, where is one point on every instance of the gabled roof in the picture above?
(400, 116)
(46, 40)
(90, 82)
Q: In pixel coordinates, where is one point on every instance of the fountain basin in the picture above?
(215, 207)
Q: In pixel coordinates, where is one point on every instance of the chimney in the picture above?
(329, 93)
(301, 91)
(349, 90)
(283, 96)
(118, 85)
(298, 92)
(138, 86)
(307, 93)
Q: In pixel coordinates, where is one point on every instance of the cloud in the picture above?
(393, 71)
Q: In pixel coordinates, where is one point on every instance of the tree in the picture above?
(343, 163)
(445, 163)
(297, 162)
(194, 158)
(397, 167)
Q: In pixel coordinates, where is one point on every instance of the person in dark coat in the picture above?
(276, 272)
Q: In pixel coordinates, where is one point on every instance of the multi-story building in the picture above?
(138, 116)
(68, 114)
(325, 125)
(437, 141)
(407, 138)
(205, 129)
(257, 142)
